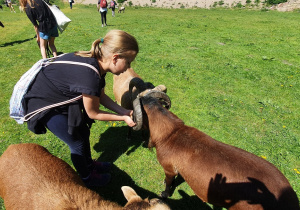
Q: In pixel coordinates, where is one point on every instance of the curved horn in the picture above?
(137, 114)
(161, 88)
(138, 83)
(166, 101)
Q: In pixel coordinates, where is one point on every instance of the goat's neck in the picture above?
(162, 126)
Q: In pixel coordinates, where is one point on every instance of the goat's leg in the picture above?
(169, 182)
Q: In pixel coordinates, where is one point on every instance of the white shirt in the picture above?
(103, 9)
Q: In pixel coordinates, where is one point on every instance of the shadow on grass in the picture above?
(16, 42)
(112, 144)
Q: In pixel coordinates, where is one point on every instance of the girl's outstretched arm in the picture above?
(92, 103)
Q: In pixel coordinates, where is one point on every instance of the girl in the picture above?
(71, 123)
(103, 10)
(10, 6)
(46, 28)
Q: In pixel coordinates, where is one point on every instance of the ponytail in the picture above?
(115, 41)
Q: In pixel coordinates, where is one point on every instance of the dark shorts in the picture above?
(52, 33)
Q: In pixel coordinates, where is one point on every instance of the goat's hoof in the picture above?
(164, 195)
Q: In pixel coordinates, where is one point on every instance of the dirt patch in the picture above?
(287, 6)
(284, 7)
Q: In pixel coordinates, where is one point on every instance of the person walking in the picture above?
(71, 3)
(113, 4)
(72, 122)
(102, 5)
(44, 24)
(10, 6)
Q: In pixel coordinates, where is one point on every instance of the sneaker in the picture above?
(102, 25)
(101, 167)
(96, 180)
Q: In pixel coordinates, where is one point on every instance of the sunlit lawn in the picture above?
(233, 74)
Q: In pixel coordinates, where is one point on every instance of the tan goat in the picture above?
(32, 178)
(218, 173)
(121, 88)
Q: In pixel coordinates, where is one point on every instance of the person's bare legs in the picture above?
(52, 46)
(43, 45)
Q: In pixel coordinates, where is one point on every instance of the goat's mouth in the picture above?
(157, 92)
(158, 96)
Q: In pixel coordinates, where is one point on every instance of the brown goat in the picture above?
(32, 178)
(218, 173)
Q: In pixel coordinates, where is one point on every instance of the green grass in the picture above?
(233, 74)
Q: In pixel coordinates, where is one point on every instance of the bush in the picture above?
(221, 3)
(239, 5)
(271, 2)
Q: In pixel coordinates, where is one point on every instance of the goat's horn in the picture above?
(137, 114)
(161, 96)
(161, 88)
(138, 83)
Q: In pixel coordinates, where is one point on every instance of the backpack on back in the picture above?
(103, 3)
(16, 105)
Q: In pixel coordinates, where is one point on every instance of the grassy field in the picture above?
(233, 74)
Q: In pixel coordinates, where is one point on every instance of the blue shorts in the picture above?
(52, 33)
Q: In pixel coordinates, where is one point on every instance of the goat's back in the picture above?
(32, 178)
(218, 173)
(229, 173)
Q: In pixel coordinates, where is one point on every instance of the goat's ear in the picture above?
(129, 193)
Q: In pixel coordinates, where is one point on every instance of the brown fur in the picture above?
(31, 178)
(218, 173)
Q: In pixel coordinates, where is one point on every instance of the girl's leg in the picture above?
(78, 143)
(105, 17)
(52, 46)
(43, 45)
(102, 18)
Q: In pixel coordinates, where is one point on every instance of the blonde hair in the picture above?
(23, 3)
(115, 42)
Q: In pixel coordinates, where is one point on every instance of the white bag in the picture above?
(61, 19)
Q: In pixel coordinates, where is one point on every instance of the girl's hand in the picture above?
(128, 113)
(129, 121)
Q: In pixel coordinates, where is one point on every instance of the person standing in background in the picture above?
(71, 2)
(113, 4)
(102, 4)
(10, 6)
(44, 23)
